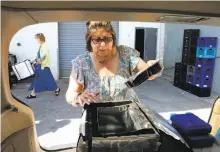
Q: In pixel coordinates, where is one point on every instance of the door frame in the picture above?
(135, 36)
(157, 41)
(145, 53)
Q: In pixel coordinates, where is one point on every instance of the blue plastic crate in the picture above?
(207, 83)
(202, 82)
(201, 42)
(198, 81)
(210, 52)
(205, 62)
(211, 42)
(205, 52)
(200, 52)
(205, 72)
(207, 42)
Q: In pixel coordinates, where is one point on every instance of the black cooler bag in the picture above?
(123, 127)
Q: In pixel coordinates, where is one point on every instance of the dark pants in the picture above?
(43, 81)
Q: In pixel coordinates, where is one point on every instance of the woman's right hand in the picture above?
(72, 94)
(86, 98)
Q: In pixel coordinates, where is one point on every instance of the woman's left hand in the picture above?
(150, 63)
(142, 65)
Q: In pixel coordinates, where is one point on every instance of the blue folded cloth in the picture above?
(190, 125)
(200, 141)
(193, 129)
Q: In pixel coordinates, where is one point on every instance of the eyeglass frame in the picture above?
(102, 40)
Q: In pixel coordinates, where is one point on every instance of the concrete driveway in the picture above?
(58, 122)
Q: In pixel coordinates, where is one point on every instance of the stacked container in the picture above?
(204, 67)
(198, 59)
(188, 59)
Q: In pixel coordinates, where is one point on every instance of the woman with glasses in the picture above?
(99, 74)
(43, 80)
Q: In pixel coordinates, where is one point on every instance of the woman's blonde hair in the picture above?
(40, 36)
(91, 25)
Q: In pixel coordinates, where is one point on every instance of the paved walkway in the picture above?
(55, 119)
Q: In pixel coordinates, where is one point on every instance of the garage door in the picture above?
(71, 37)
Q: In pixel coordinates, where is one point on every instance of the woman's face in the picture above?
(102, 44)
(38, 40)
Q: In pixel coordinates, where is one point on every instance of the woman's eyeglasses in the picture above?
(104, 39)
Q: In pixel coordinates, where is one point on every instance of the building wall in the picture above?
(169, 44)
(174, 41)
(29, 46)
(127, 35)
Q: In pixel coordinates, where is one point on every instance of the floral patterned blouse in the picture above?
(110, 88)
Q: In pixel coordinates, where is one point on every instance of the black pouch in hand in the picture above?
(142, 76)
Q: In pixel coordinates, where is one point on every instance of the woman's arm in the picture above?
(73, 90)
(43, 53)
